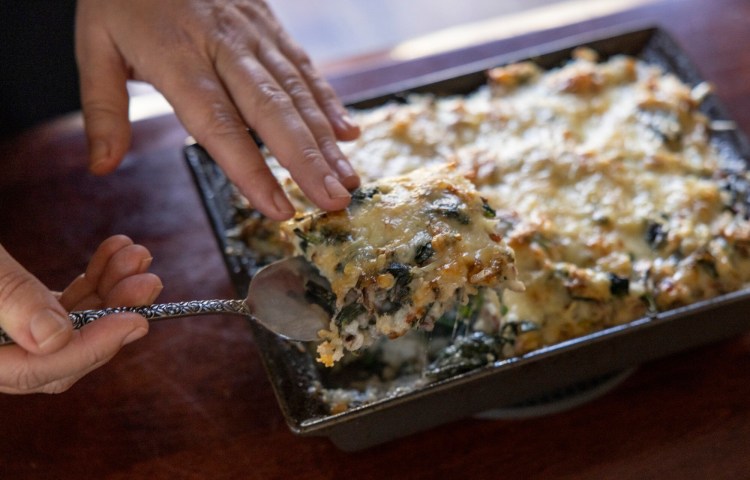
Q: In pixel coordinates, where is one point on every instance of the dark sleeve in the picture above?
(38, 74)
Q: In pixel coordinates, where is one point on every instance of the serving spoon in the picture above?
(276, 299)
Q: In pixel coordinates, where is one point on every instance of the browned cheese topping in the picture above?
(406, 251)
(605, 186)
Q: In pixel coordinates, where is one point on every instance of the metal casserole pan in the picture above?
(293, 372)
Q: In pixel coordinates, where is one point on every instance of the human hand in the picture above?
(223, 65)
(49, 356)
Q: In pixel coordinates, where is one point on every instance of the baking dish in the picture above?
(601, 355)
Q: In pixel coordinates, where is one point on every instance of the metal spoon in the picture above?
(276, 299)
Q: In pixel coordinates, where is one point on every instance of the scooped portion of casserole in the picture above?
(406, 251)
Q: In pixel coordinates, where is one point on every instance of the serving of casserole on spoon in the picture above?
(407, 250)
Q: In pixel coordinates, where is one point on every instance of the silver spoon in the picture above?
(276, 299)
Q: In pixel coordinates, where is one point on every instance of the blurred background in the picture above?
(338, 34)
(331, 30)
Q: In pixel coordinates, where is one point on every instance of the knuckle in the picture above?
(95, 108)
(314, 79)
(272, 98)
(314, 118)
(12, 282)
(310, 158)
(96, 357)
(297, 88)
(326, 93)
(25, 379)
(299, 56)
(219, 123)
(328, 144)
(58, 386)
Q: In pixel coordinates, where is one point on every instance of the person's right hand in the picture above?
(224, 65)
(49, 356)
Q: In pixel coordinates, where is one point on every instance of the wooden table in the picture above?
(192, 400)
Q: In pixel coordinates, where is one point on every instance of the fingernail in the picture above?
(334, 188)
(135, 335)
(99, 154)
(348, 121)
(282, 203)
(145, 263)
(48, 325)
(155, 293)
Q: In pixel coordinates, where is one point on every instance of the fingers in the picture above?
(104, 96)
(135, 290)
(126, 262)
(221, 129)
(310, 113)
(104, 252)
(132, 290)
(269, 108)
(201, 103)
(115, 277)
(29, 312)
(82, 293)
(221, 72)
(255, 84)
(343, 125)
(89, 348)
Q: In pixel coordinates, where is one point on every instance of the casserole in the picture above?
(503, 381)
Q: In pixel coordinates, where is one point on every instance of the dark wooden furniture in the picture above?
(192, 400)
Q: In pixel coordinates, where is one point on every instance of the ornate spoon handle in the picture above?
(156, 312)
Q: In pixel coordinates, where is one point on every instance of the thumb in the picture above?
(29, 313)
(104, 95)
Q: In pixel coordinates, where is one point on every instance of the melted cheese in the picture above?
(407, 250)
(604, 180)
